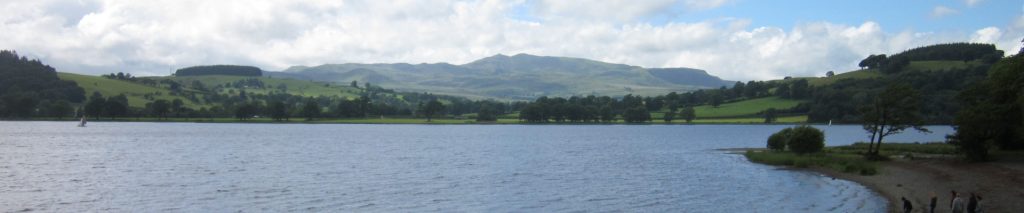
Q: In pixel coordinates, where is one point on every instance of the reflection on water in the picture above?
(145, 167)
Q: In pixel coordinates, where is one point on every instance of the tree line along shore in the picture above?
(32, 89)
(983, 158)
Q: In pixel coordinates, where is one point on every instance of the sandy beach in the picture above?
(1001, 183)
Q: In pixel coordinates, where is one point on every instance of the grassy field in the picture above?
(849, 163)
(939, 65)
(133, 91)
(294, 87)
(136, 92)
(857, 74)
(744, 108)
(753, 120)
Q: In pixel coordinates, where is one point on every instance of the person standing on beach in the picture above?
(931, 206)
(952, 196)
(977, 208)
(907, 207)
(972, 203)
(958, 204)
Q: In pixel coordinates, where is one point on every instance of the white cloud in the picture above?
(154, 37)
(704, 4)
(619, 10)
(972, 3)
(987, 35)
(943, 11)
(1019, 22)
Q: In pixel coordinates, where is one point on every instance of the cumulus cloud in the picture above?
(942, 11)
(705, 4)
(987, 35)
(619, 10)
(972, 3)
(158, 36)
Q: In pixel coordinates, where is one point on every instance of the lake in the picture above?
(194, 167)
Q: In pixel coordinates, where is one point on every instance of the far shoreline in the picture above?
(405, 121)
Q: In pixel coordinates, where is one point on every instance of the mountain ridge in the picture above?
(517, 77)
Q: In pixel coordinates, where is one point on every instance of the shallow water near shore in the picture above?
(146, 167)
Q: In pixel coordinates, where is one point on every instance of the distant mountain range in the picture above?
(518, 77)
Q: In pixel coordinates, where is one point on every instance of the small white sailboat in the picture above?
(82, 123)
(829, 122)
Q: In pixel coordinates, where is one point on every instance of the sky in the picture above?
(733, 39)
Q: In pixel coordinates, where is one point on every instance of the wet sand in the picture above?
(1001, 184)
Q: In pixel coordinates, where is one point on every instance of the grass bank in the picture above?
(849, 158)
(847, 163)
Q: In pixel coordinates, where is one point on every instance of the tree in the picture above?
(805, 139)
(219, 70)
(872, 61)
(783, 91)
(246, 110)
(1006, 83)
(669, 116)
(738, 88)
(59, 109)
(688, 114)
(21, 104)
(432, 108)
(347, 109)
(799, 89)
(977, 128)
(993, 111)
(94, 108)
(770, 115)
(894, 64)
(116, 106)
(363, 102)
(778, 140)
(25, 83)
(486, 114)
(829, 74)
(637, 114)
(531, 113)
(606, 113)
(277, 110)
(894, 110)
(311, 110)
(176, 106)
(716, 99)
(160, 108)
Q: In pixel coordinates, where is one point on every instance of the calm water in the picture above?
(185, 167)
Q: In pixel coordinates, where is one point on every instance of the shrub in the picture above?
(778, 140)
(805, 139)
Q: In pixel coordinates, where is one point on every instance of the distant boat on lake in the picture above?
(82, 123)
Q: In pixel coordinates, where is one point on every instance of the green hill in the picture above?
(914, 66)
(306, 88)
(137, 93)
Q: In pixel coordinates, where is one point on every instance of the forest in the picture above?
(29, 87)
(219, 70)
